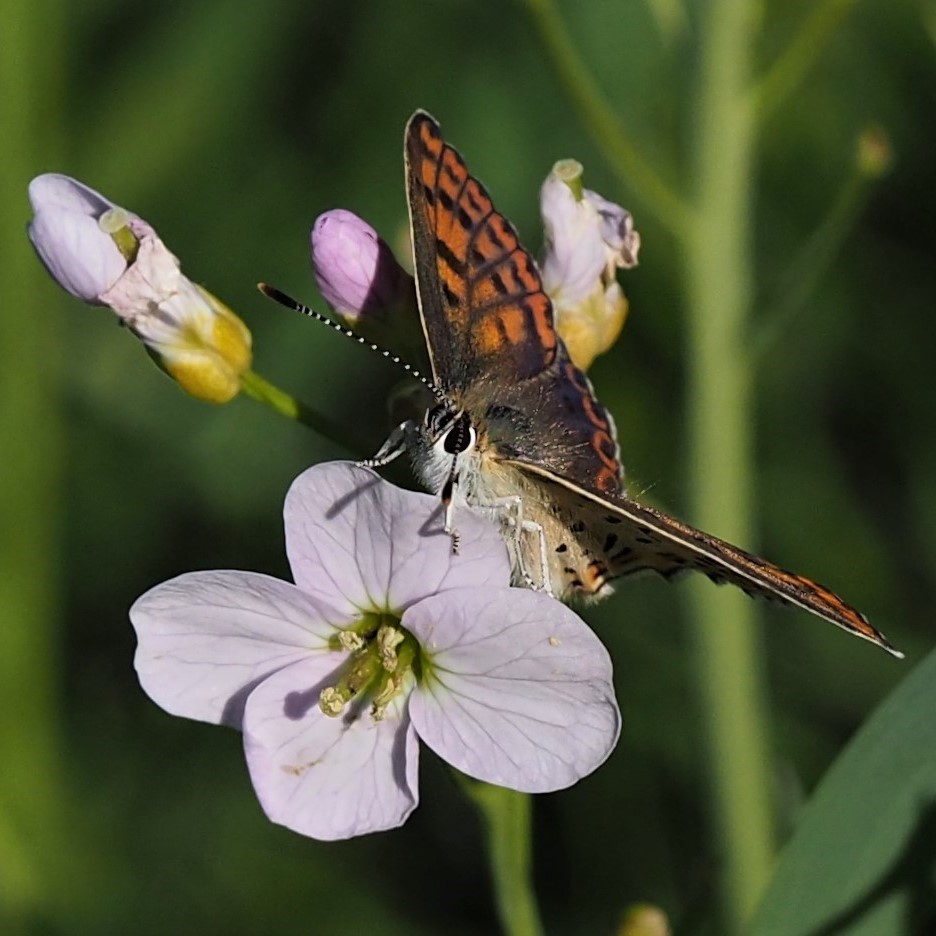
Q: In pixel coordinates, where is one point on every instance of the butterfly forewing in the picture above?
(483, 304)
(489, 324)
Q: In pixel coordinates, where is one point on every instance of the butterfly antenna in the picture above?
(277, 295)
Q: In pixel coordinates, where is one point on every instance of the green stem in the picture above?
(720, 413)
(33, 846)
(508, 826)
(801, 54)
(603, 122)
(809, 265)
(270, 395)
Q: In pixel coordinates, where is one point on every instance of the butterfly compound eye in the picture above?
(439, 419)
(460, 437)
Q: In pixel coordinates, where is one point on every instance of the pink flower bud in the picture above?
(355, 269)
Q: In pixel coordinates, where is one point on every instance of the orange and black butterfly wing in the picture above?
(489, 323)
(630, 537)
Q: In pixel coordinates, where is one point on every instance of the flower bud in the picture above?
(362, 281)
(588, 239)
(104, 255)
(355, 269)
(644, 920)
(874, 153)
(81, 256)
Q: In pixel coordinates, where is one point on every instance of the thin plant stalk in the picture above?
(267, 393)
(718, 282)
(603, 122)
(508, 830)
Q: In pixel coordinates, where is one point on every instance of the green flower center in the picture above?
(384, 661)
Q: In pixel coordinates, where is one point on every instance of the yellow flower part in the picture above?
(209, 355)
(644, 920)
(192, 335)
(593, 325)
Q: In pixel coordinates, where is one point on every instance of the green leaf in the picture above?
(863, 856)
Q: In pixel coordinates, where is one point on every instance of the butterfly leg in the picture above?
(448, 504)
(393, 447)
(529, 526)
(508, 511)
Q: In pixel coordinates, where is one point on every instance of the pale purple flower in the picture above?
(355, 270)
(587, 236)
(387, 637)
(105, 255)
(587, 239)
(67, 234)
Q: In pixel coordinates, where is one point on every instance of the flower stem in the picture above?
(720, 410)
(270, 395)
(604, 124)
(794, 63)
(508, 825)
(812, 260)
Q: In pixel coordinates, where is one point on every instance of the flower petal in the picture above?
(574, 254)
(328, 777)
(518, 691)
(207, 638)
(617, 230)
(53, 191)
(361, 543)
(79, 256)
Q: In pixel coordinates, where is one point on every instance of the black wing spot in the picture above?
(429, 193)
(445, 252)
(613, 518)
(450, 297)
(610, 542)
(561, 548)
(578, 526)
(447, 203)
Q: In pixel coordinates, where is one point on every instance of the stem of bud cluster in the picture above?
(508, 826)
(270, 395)
(809, 265)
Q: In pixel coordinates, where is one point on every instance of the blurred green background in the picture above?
(230, 125)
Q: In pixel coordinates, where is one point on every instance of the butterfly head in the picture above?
(443, 442)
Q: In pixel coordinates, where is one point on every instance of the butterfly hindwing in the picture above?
(636, 538)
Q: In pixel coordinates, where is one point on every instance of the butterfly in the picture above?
(516, 428)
